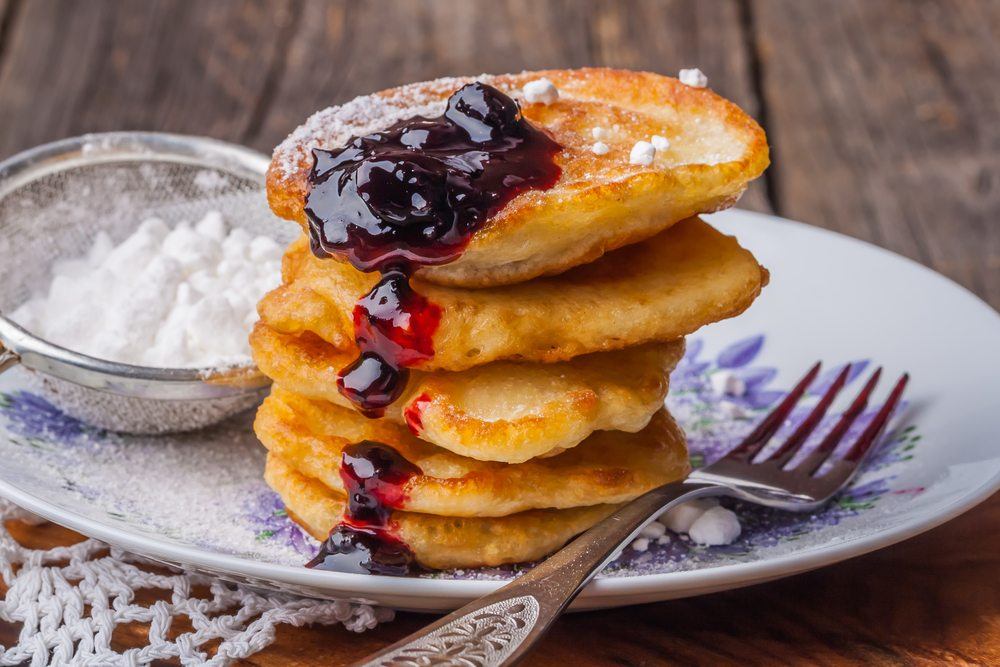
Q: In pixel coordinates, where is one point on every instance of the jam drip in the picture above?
(393, 326)
(412, 196)
(374, 476)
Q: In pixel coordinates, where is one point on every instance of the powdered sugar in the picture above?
(540, 91)
(715, 527)
(693, 77)
(333, 126)
(174, 298)
(643, 153)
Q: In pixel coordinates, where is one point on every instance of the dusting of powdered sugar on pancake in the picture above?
(332, 127)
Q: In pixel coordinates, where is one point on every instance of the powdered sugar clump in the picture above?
(715, 527)
(693, 77)
(174, 298)
(540, 91)
(642, 154)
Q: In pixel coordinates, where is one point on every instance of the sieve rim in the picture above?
(164, 383)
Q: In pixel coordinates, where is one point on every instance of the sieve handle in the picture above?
(8, 359)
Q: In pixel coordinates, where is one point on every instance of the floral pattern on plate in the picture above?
(256, 525)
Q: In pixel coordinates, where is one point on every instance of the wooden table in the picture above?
(883, 122)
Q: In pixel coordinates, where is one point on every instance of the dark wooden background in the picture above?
(884, 123)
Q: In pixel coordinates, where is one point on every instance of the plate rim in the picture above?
(599, 591)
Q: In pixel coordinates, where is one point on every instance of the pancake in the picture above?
(659, 290)
(600, 202)
(439, 542)
(503, 411)
(608, 467)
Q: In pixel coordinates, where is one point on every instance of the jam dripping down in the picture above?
(412, 196)
(413, 414)
(374, 476)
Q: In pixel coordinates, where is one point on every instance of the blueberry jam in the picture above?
(374, 476)
(393, 201)
(363, 551)
(393, 326)
(412, 196)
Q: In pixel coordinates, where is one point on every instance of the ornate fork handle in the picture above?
(500, 628)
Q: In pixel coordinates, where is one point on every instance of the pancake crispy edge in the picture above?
(600, 203)
(504, 411)
(440, 542)
(608, 467)
(661, 289)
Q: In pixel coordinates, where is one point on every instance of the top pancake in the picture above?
(600, 202)
(659, 290)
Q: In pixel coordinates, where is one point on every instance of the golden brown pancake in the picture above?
(608, 467)
(659, 290)
(503, 411)
(601, 202)
(439, 542)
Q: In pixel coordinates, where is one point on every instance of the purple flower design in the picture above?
(269, 519)
(736, 359)
(713, 423)
(713, 430)
(740, 353)
(31, 416)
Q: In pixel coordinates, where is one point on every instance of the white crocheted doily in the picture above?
(48, 591)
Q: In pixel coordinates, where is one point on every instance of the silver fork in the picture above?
(500, 628)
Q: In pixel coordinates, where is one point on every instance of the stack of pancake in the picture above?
(540, 409)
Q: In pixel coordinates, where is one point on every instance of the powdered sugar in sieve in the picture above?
(53, 201)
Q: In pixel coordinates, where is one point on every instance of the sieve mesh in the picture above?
(58, 215)
(53, 202)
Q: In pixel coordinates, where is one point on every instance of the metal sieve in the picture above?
(55, 198)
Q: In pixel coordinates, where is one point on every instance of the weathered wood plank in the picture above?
(177, 66)
(8, 14)
(884, 120)
(344, 49)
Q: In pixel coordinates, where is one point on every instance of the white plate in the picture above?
(198, 500)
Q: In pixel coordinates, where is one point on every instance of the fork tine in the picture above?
(760, 436)
(793, 444)
(818, 456)
(877, 425)
(846, 467)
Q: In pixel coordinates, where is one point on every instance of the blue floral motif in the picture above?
(32, 416)
(270, 521)
(713, 423)
(740, 353)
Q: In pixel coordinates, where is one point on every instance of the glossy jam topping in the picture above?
(390, 202)
(414, 193)
(410, 196)
(363, 551)
(374, 476)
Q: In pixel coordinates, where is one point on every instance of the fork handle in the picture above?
(500, 628)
